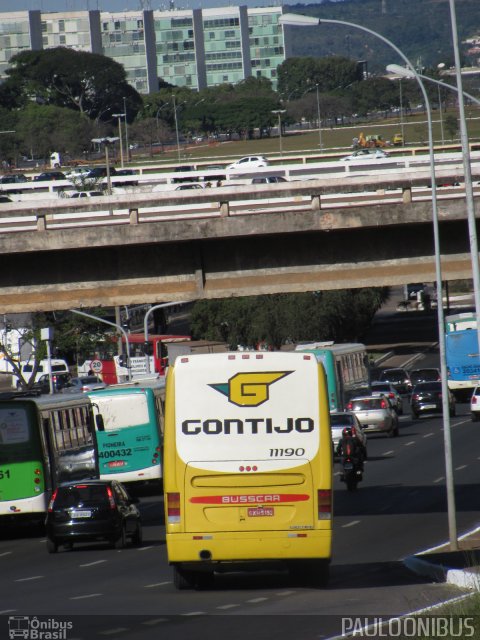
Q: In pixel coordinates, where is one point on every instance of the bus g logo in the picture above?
(249, 389)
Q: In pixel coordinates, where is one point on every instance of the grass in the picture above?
(335, 141)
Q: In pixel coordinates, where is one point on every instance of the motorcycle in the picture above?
(352, 472)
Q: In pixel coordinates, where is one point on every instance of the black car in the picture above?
(90, 510)
(13, 178)
(59, 382)
(398, 377)
(49, 175)
(427, 398)
(428, 374)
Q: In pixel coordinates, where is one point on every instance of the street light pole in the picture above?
(120, 115)
(176, 126)
(279, 113)
(127, 148)
(111, 324)
(106, 143)
(319, 120)
(145, 328)
(298, 20)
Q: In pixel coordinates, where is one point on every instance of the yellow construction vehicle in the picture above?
(371, 141)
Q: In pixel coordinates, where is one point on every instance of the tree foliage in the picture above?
(89, 83)
(278, 319)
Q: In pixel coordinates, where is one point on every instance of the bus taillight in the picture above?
(173, 508)
(324, 498)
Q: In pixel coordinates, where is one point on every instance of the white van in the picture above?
(58, 366)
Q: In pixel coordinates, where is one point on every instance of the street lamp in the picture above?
(303, 21)
(127, 148)
(145, 329)
(176, 126)
(401, 71)
(111, 324)
(279, 113)
(319, 119)
(120, 115)
(440, 66)
(106, 143)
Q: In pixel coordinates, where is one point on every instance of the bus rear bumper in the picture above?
(202, 548)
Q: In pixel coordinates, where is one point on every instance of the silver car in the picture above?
(375, 414)
(84, 384)
(387, 389)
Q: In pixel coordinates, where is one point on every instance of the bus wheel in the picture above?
(205, 580)
(52, 546)
(137, 536)
(183, 579)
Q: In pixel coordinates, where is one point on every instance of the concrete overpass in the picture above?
(330, 233)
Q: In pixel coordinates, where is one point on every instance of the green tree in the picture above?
(89, 83)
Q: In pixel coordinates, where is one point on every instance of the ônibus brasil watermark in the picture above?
(447, 627)
(32, 628)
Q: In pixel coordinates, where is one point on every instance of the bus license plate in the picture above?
(256, 512)
(81, 514)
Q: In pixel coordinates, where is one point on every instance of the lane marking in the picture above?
(2, 613)
(387, 453)
(150, 623)
(350, 524)
(110, 632)
(30, 578)
(91, 564)
(228, 606)
(444, 544)
(87, 595)
(285, 593)
(5, 553)
(194, 613)
(156, 584)
(427, 435)
(439, 479)
(408, 444)
(337, 473)
(462, 466)
(255, 600)
(145, 548)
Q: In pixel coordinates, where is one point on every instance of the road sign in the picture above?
(96, 366)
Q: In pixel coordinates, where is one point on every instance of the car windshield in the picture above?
(424, 374)
(340, 419)
(381, 386)
(427, 386)
(81, 495)
(394, 375)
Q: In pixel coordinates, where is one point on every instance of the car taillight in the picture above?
(383, 404)
(173, 508)
(324, 499)
(111, 499)
(474, 399)
(349, 406)
(415, 396)
(52, 500)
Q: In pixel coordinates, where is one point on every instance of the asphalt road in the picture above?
(398, 510)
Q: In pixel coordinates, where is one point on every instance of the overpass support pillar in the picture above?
(316, 204)
(133, 213)
(224, 209)
(41, 223)
(407, 195)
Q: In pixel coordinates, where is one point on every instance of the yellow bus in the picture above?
(247, 465)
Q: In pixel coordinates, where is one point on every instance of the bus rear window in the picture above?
(13, 426)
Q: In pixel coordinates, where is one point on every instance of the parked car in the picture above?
(126, 172)
(428, 374)
(375, 413)
(86, 194)
(4, 198)
(268, 179)
(365, 154)
(387, 389)
(49, 176)
(78, 173)
(184, 169)
(90, 510)
(427, 397)
(342, 419)
(184, 187)
(83, 384)
(59, 380)
(398, 377)
(248, 163)
(475, 404)
(13, 178)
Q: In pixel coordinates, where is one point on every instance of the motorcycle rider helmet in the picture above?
(347, 432)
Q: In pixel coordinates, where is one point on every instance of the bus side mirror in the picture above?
(99, 422)
(123, 361)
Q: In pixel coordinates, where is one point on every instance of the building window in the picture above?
(105, 26)
(61, 25)
(139, 24)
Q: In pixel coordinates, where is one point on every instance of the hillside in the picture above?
(421, 29)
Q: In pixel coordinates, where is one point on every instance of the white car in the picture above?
(475, 404)
(248, 163)
(365, 154)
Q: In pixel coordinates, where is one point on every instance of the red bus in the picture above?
(112, 371)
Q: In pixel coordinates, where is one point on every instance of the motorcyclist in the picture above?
(350, 446)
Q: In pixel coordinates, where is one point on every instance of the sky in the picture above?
(130, 5)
